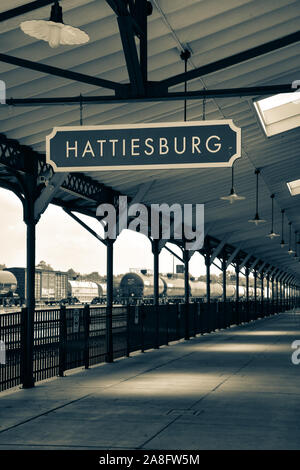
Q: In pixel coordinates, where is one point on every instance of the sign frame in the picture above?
(162, 166)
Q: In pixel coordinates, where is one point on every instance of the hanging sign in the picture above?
(180, 145)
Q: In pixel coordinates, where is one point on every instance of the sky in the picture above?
(64, 244)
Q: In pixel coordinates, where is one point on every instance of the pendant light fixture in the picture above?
(291, 251)
(54, 31)
(232, 197)
(272, 234)
(282, 243)
(257, 220)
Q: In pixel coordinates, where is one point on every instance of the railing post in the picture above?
(86, 322)
(167, 313)
(62, 340)
(141, 312)
(155, 251)
(26, 371)
(186, 257)
(207, 263)
(178, 316)
(128, 331)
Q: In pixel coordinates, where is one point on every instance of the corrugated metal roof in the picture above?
(212, 30)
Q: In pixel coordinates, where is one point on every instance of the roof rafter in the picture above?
(233, 60)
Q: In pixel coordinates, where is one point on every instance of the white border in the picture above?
(162, 166)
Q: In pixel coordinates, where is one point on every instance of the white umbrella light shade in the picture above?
(54, 31)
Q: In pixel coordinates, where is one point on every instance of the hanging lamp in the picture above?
(291, 251)
(257, 220)
(272, 234)
(232, 197)
(282, 243)
(54, 31)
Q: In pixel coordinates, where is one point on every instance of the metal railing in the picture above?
(65, 339)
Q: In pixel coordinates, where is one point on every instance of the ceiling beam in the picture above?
(131, 55)
(173, 253)
(261, 267)
(245, 260)
(84, 225)
(152, 95)
(231, 258)
(219, 248)
(21, 10)
(233, 60)
(58, 72)
(253, 264)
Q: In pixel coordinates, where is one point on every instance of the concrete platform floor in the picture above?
(234, 389)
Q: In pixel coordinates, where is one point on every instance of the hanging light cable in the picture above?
(232, 197)
(291, 251)
(257, 220)
(296, 257)
(81, 111)
(282, 243)
(54, 31)
(272, 234)
(185, 55)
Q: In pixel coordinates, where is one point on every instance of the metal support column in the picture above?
(237, 293)
(268, 294)
(255, 292)
(109, 301)
(28, 379)
(273, 294)
(262, 292)
(28, 321)
(207, 263)
(224, 278)
(247, 290)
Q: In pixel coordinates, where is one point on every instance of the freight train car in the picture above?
(84, 291)
(50, 286)
(138, 286)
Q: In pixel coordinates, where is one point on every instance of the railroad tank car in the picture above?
(84, 291)
(251, 292)
(133, 285)
(198, 289)
(230, 291)
(173, 287)
(216, 290)
(242, 292)
(8, 287)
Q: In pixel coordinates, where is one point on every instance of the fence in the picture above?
(67, 338)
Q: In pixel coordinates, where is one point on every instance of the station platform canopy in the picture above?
(237, 44)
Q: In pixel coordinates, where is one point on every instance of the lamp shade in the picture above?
(54, 33)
